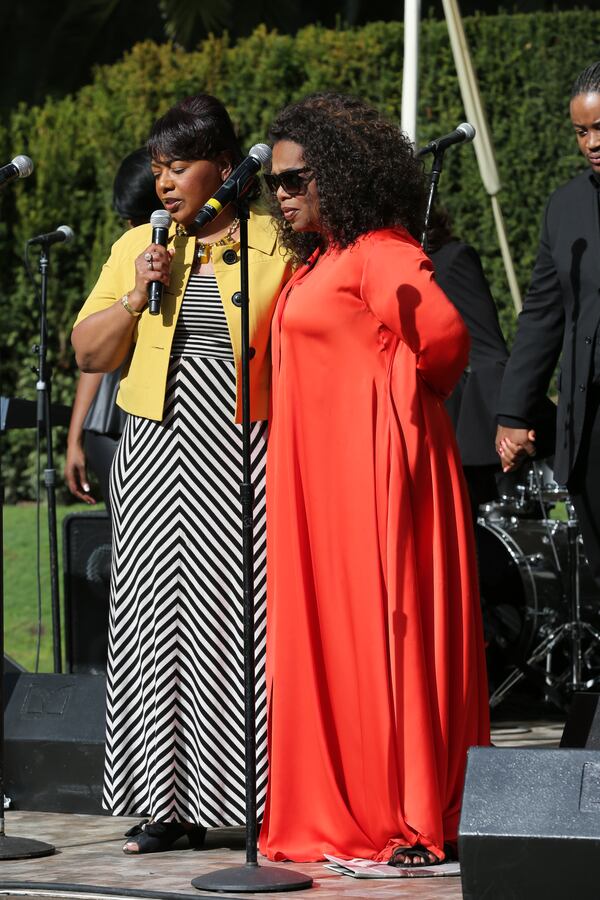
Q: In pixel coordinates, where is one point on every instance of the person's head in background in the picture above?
(585, 114)
(134, 189)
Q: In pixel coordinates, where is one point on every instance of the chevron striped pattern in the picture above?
(175, 722)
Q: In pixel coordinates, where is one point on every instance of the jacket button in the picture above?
(230, 257)
(236, 298)
(588, 340)
(251, 352)
(582, 387)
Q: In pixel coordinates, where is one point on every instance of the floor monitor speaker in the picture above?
(54, 742)
(582, 728)
(530, 824)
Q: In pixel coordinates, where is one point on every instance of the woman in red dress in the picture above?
(375, 664)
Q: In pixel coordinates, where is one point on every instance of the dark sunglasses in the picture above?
(294, 181)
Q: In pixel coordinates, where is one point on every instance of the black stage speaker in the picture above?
(530, 825)
(582, 728)
(54, 742)
(87, 550)
(11, 665)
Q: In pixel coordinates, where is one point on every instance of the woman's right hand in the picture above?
(153, 264)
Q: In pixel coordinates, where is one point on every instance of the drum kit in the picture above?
(541, 607)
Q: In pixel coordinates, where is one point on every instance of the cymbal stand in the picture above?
(573, 631)
(576, 629)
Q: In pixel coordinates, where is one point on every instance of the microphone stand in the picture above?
(44, 418)
(251, 877)
(434, 178)
(10, 847)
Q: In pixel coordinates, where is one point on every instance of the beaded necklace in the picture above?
(204, 250)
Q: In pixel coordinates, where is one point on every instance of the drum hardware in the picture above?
(553, 629)
(534, 495)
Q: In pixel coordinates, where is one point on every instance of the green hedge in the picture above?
(525, 64)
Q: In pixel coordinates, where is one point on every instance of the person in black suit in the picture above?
(560, 317)
(472, 404)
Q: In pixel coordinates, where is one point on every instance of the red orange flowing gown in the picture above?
(375, 664)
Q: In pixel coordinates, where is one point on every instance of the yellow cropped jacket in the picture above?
(143, 383)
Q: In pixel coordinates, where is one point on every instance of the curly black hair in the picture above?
(366, 173)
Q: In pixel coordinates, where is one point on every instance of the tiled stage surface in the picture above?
(89, 853)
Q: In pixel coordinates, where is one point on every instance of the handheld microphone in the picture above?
(235, 186)
(20, 167)
(461, 135)
(160, 221)
(63, 234)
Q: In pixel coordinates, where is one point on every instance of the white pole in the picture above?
(410, 71)
(511, 275)
(484, 148)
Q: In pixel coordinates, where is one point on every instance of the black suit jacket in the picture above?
(560, 317)
(472, 405)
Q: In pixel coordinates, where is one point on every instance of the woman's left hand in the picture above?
(76, 473)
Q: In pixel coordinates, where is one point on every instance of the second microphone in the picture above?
(235, 186)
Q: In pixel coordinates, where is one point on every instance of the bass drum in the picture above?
(524, 584)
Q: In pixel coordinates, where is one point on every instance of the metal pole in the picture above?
(410, 69)
(44, 425)
(251, 877)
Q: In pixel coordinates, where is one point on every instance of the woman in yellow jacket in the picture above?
(175, 738)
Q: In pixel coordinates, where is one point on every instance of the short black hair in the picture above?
(587, 82)
(134, 192)
(198, 127)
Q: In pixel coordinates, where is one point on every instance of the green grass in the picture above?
(20, 582)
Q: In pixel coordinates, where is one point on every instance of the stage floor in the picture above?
(89, 862)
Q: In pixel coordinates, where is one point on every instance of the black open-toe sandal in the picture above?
(414, 853)
(156, 837)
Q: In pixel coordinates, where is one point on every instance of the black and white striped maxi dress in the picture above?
(175, 721)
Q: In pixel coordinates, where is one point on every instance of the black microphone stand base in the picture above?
(23, 848)
(253, 878)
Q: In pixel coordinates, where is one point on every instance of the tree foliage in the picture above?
(525, 64)
(58, 44)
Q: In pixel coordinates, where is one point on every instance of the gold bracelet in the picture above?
(125, 304)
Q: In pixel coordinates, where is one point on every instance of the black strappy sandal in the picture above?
(157, 837)
(417, 851)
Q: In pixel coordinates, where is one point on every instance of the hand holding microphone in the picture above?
(160, 221)
(153, 267)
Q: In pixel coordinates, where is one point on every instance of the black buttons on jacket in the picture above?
(236, 299)
(230, 257)
(582, 387)
(251, 352)
(588, 340)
